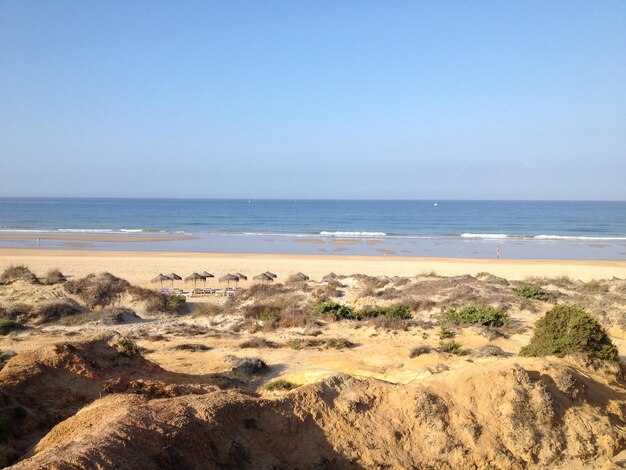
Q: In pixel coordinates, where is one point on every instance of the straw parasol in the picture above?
(269, 274)
(174, 277)
(205, 275)
(160, 278)
(329, 277)
(302, 277)
(229, 277)
(263, 278)
(242, 277)
(194, 277)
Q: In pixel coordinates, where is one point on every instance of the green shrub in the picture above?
(471, 315)
(15, 273)
(567, 329)
(530, 291)
(7, 326)
(127, 347)
(338, 311)
(452, 347)
(445, 333)
(392, 312)
(279, 385)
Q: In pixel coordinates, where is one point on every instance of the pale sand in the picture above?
(140, 267)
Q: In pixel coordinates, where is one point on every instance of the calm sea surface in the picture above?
(523, 229)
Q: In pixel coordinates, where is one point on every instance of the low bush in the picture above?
(17, 312)
(7, 326)
(419, 351)
(270, 315)
(127, 347)
(337, 343)
(531, 291)
(279, 385)
(258, 343)
(445, 333)
(471, 315)
(16, 273)
(452, 347)
(54, 276)
(568, 329)
(97, 290)
(164, 303)
(338, 311)
(54, 311)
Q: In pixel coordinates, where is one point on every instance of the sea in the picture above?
(437, 228)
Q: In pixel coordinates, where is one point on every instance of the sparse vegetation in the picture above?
(420, 350)
(452, 347)
(127, 347)
(7, 326)
(595, 287)
(258, 343)
(97, 290)
(54, 311)
(54, 276)
(337, 343)
(207, 310)
(163, 303)
(445, 333)
(531, 291)
(279, 385)
(471, 315)
(270, 315)
(17, 273)
(568, 329)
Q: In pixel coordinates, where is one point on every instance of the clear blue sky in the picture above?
(314, 99)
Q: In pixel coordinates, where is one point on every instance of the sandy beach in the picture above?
(140, 267)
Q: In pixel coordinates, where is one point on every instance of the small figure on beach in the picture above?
(38, 242)
(498, 251)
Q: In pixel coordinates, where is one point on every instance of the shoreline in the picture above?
(141, 266)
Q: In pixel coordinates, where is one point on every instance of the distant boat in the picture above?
(435, 204)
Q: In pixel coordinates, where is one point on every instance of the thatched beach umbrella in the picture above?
(242, 277)
(228, 278)
(302, 277)
(205, 275)
(329, 277)
(174, 277)
(263, 278)
(269, 274)
(160, 278)
(194, 277)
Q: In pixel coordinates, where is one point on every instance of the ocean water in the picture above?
(535, 229)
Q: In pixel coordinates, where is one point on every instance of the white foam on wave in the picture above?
(353, 234)
(84, 230)
(571, 237)
(484, 235)
(131, 230)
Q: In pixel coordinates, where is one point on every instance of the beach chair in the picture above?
(165, 290)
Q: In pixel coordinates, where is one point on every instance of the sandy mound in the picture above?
(515, 413)
(40, 388)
